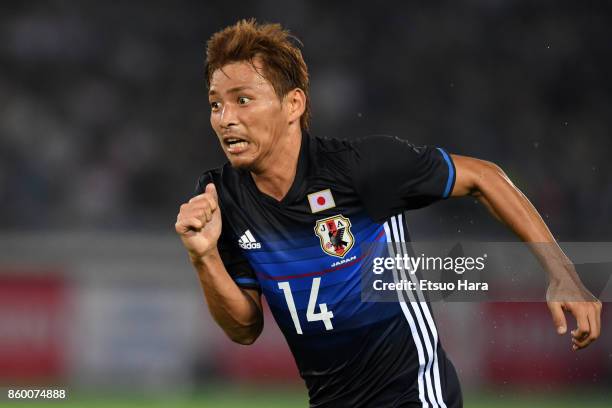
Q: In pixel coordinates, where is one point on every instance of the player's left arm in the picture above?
(492, 187)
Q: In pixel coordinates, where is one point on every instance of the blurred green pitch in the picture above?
(224, 397)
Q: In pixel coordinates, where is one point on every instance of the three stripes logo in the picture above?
(248, 241)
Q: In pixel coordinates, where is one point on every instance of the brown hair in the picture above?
(283, 64)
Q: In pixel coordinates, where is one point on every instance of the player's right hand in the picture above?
(199, 223)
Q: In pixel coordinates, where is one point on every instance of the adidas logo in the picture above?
(248, 241)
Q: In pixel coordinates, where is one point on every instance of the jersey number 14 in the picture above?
(324, 315)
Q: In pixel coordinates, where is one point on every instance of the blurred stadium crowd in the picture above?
(104, 114)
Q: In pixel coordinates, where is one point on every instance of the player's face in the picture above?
(246, 114)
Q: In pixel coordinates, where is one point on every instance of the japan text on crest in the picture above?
(335, 235)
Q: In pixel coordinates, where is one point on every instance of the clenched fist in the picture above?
(199, 223)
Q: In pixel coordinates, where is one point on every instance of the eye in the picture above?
(243, 100)
(214, 106)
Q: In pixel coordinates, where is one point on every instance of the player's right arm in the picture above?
(238, 311)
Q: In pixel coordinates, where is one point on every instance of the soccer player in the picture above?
(286, 215)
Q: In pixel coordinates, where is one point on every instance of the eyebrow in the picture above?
(231, 90)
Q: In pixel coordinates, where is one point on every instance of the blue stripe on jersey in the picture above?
(294, 242)
(346, 276)
(349, 314)
(282, 263)
(300, 261)
(340, 287)
(334, 286)
(451, 173)
(302, 273)
(285, 264)
(246, 280)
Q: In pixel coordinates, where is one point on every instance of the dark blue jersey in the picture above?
(305, 253)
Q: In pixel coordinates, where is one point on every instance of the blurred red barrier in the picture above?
(522, 348)
(32, 336)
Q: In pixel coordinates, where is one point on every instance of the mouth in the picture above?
(235, 145)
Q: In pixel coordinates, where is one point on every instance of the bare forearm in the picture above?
(514, 209)
(235, 311)
(490, 185)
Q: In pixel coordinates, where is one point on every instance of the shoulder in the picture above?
(337, 145)
(384, 143)
(355, 154)
(330, 144)
(373, 148)
(223, 177)
(330, 155)
(345, 147)
(363, 144)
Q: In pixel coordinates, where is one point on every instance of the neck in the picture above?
(276, 176)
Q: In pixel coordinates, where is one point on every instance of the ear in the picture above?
(295, 101)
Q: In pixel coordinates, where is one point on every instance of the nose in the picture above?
(228, 116)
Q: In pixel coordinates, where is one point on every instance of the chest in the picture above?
(308, 262)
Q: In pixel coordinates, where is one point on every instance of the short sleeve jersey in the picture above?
(304, 254)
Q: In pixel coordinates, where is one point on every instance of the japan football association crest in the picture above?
(335, 235)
